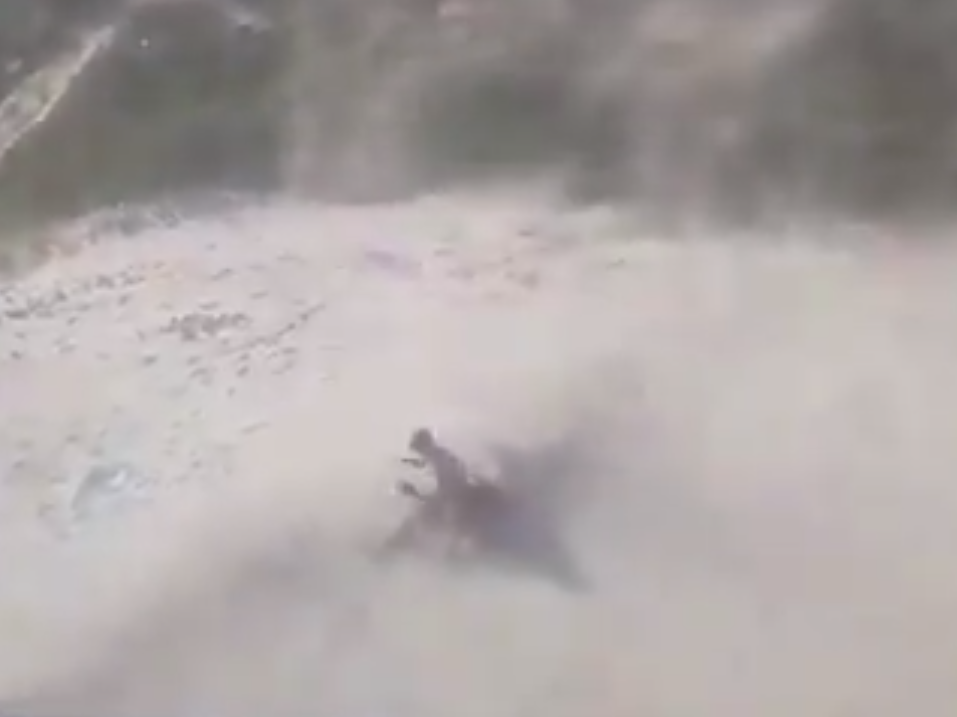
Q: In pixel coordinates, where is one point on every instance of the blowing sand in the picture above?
(744, 452)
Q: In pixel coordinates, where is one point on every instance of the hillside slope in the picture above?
(744, 452)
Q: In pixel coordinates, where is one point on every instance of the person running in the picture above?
(453, 483)
(457, 500)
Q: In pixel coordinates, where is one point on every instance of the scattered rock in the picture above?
(199, 325)
(103, 487)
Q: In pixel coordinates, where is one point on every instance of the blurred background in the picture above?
(730, 109)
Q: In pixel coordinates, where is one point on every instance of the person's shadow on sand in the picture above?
(530, 532)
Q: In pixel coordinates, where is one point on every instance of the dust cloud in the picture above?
(737, 458)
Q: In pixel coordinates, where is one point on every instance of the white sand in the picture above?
(755, 476)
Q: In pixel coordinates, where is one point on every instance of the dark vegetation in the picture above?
(859, 116)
